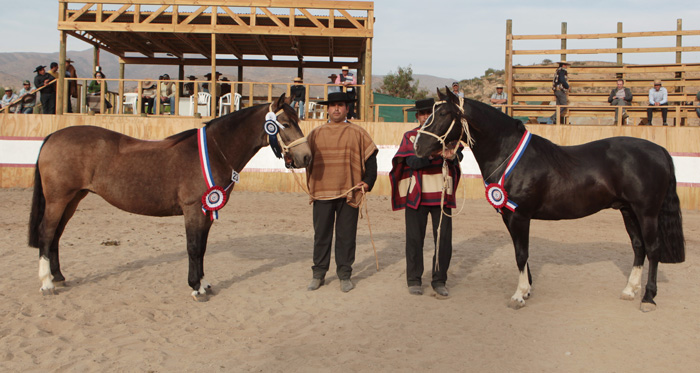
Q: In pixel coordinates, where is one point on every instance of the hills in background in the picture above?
(19, 66)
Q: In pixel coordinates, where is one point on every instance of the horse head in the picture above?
(443, 128)
(284, 135)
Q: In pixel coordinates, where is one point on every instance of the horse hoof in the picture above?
(200, 297)
(647, 307)
(625, 296)
(516, 304)
(51, 291)
(59, 284)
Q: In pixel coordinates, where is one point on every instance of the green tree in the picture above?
(399, 85)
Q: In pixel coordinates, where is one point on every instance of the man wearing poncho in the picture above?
(344, 162)
(416, 185)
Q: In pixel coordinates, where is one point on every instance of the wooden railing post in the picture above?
(563, 40)
(510, 90)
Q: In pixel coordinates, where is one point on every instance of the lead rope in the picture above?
(363, 203)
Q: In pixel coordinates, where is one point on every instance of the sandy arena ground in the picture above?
(126, 306)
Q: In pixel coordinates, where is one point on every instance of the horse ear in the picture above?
(441, 96)
(280, 101)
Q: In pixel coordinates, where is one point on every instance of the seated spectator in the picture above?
(620, 96)
(167, 93)
(205, 86)
(333, 88)
(658, 96)
(697, 111)
(95, 93)
(500, 97)
(225, 87)
(298, 95)
(188, 89)
(148, 96)
(456, 91)
(9, 98)
(28, 97)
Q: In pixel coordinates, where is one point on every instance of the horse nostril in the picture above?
(307, 159)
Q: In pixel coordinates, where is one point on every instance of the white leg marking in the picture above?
(634, 284)
(205, 283)
(522, 292)
(45, 274)
(203, 286)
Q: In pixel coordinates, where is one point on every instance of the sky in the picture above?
(446, 38)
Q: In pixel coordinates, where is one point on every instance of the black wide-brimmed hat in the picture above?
(424, 104)
(40, 67)
(337, 97)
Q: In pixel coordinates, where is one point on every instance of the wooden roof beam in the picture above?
(134, 44)
(88, 40)
(263, 46)
(196, 46)
(226, 62)
(230, 46)
(165, 45)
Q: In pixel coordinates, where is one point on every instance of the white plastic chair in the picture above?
(130, 99)
(237, 101)
(225, 100)
(203, 99)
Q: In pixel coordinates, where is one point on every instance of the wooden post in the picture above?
(121, 87)
(240, 79)
(61, 104)
(510, 90)
(95, 59)
(563, 40)
(212, 82)
(367, 87)
(619, 46)
(679, 39)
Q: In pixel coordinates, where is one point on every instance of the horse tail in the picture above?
(38, 204)
(671, 223)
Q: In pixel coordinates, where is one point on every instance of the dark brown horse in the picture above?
(155, 178)
(551, 182)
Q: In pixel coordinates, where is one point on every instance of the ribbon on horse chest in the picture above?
(214, 198)
(496, 192)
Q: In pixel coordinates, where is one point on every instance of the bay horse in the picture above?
(549, 182)
(154, 178)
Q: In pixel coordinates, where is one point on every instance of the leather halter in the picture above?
(283, 145)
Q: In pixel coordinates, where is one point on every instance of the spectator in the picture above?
(205, 86)
(658, 96)
(620, 96)
(9, 98)
(148, 96)
(46, 82)
(347, 80)
(28, 97)
(333, 88)
(95, 93)
(697, 111)
(560, 86)
(298, 95)
(500, 97)
(53, 69)
(456, 91)
(225, 87)
(72, 84)
(189, 87)
(167, 93)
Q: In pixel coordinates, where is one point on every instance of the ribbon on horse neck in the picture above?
(496, 192)
(273, 128)
(214, 198)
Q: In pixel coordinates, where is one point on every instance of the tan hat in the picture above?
(499, 85)
(344, 68)
(297, 79)
(8, 89)
(657, 82)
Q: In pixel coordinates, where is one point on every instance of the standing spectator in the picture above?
(658, 96)
(188, 89)
(46, 82)
(500, 97)
(225, 87)
(148, 95)
(347, 80)
(697, 111)
(333, 88)
(205, 86)
(456, 91)
(9, 98)
(344, 160)
(167, 93)
(298, 95)
(28, 97)
(620, 96)
(560, 86)
(53, 69)
(416, 185)
(72, 84)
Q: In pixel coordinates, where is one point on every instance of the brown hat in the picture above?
(564, 62)
(657, 82)
(332, 76)
(69, 60)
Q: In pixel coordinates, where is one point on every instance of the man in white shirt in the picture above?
(500, 97)
(456, 91)
(658, 96)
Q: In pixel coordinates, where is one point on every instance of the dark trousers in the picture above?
(664, 113)
(416, 222)
(328, 215)
(562, 98)
(48, 103)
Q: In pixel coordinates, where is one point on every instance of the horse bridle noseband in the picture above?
(441, 139)
(273, 128)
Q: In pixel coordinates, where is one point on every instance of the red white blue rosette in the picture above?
(496, 195)
(214, 199)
